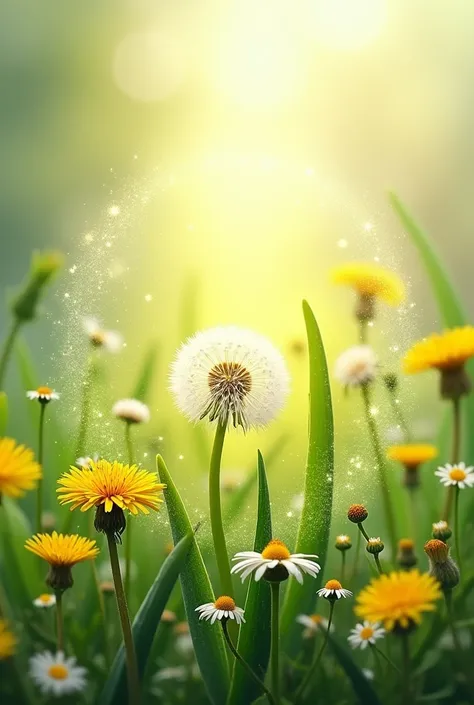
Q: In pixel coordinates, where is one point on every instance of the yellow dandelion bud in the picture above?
(442, 566)
(406, 557)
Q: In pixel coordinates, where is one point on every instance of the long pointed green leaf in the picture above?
(146, 623)
(254, 635)
(145, 377)
(3, 413)
(315, 522)
(208, 640)
(448, 301)
(363, 689)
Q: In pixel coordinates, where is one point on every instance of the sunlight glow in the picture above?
(349, 24)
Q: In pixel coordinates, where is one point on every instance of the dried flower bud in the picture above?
(59, 577)
(406, 557)
(442, 566)
(343, 543)
(168, 616)
(391, 381)
(357, 513)
(43, 267)
(441, 531)
(375, 546)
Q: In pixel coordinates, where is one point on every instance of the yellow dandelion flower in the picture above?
(7, 641)
(398, 599)
(103, 483)
(412, 454)
(61, 551)
(371, 280)
(442, 351)
(19, 471)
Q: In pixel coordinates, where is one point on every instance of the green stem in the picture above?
(133, 679)
(85, 407)
(399, 415)
(376, 650)
(448, 597)
(389, 513)
(413, 494)
(407, 695)
(59, 620)
(457, 535)
(366, 537)
(377, 563)
(39, 491)
(8, 347)
(343, 566)
(275, 651)
(218, 536)
(455, 453)
(363, 531)
(128, 533)
(247, 666)
(312, 669)
(363, 324)
(356, 556)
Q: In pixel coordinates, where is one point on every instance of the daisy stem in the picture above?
(275, 650)
(128, 533)
(312, 669)
(59, 619)
(456, 448)
(133, 679)
(457, 538)
(244, 663)
(389, 513)
(39, 491)
(8, 347)
(378, 651)
(216, 512)
(357, 556)
(366, 537)
(343, 566)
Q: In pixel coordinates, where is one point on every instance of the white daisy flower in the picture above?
(43, 394)
(56, 675)
(229, 374)
(313, 624)
(356, 366)
(223, 608)
(131, 411)
(368, 674)
(84, 462)
(100, 338)
(333, 590)
(364, 634)
(277, 559)
(458, 474)
(175, 673)
(45, 600)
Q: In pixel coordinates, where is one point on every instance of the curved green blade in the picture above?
(363, 689)
(3, 413)
(208, 640)
(146, 623)
(146, 374)
(315, 522)
(254, 635)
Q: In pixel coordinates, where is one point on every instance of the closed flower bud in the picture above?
(357, 513)
(43, 267)
(374, 546)
(391, 381)
(343, 543)
(441, 531)
(59, 578)
(406, 557)
(442, 566)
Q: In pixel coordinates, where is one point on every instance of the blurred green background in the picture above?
(207, 163)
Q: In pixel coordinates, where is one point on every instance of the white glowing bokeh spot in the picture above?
(149, 66)
(349, 24)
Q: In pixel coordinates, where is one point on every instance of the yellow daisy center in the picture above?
(366, 633)
(406, 544)
(44, 391)
(45, 599)
(97, 337)
(333, 585)
(457, 474)
(58, 672)
(276, 551)
(225, 603)
(316, 618)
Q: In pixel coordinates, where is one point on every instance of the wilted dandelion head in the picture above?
(398, 599)
(356, 366)
(19, 471)
(372, 280)
(229, 375)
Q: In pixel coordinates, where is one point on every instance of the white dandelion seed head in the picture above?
(356, 366)
(56, 675)
(230, 375)
(131, 411)
(110, 340)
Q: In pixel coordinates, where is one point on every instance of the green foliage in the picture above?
(363, 689)
(44, 266)
(146, 622)
(3, 413)
(315, 522)
(146, 375)
(254, 635)
(196, 587)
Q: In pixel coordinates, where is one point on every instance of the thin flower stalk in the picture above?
(367, 538)
(60, 619)
(407, 689)
(374, 436)
(313, 668)
(355, 565)
(455, 455)
(275, 641)
(39, 491)
(128, 534)
(457, 534)
(8, 348)
(378, 652)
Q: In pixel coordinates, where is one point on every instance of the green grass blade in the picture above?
(3, 413)
(145, 623)
(363, 689)
(254, 635)
(315, 522)
(448, 301)
(146, 375)
(208, 640)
